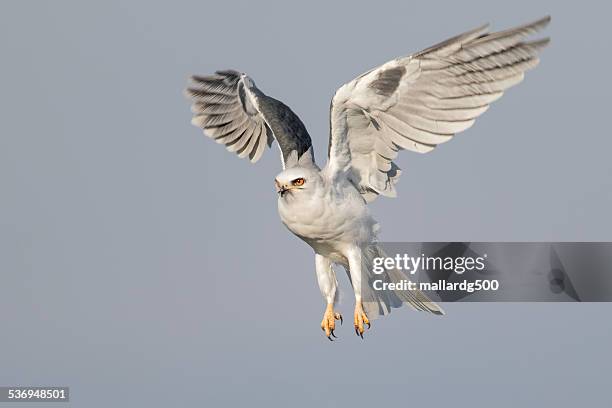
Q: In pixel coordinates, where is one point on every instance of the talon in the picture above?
(328, 324)
(361, 319)
(338, 316)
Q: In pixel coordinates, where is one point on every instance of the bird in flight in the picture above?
(410, 103)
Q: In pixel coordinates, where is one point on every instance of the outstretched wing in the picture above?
(420, 101)
(233, 111)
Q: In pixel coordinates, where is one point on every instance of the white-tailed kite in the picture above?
(413, 103)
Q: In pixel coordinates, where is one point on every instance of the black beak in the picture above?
(282, 191)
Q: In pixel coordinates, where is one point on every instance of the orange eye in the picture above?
(298, 182)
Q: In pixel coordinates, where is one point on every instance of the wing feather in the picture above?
(250, 147)
(237, 144)
(257, 152)
(423, 100)
(233, 111)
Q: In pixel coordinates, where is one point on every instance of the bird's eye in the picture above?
(298, 182)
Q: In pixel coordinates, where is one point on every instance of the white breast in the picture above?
(328, 218)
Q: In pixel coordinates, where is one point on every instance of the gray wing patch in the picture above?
(289, 131)
(388, 80)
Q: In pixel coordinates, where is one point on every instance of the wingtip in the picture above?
(254, 158)
(540, 23)
(544, 42)
(484, 27)
(188, 93)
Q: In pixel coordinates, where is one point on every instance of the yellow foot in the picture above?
(328, 324)
(360, 320)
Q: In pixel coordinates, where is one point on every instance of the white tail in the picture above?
(379, 303)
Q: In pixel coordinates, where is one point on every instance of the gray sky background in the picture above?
(143, 265)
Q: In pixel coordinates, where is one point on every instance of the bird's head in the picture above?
(296, 180)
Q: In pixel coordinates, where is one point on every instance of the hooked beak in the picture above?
(280, 189)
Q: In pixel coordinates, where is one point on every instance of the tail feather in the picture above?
(379, 303)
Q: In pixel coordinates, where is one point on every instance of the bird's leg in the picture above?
(328, 324)
(326, 277)
(360, 318)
